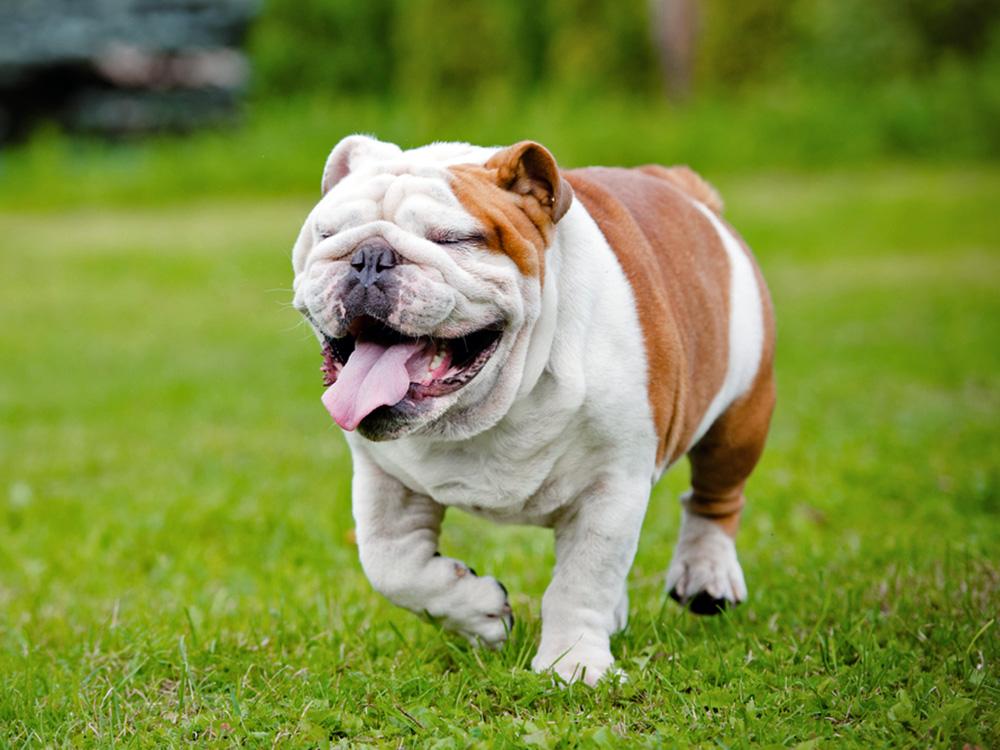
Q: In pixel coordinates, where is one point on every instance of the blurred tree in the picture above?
(959, 26)
(459, 48)
(853, 42)
(847, 42)
(325, 47)
(744, 42)
(600, 45)
(675, 27)
(449, 48)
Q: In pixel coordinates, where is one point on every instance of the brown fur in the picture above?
(679, 273)
(689, 182)
(517, 196)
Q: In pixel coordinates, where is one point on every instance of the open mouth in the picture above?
(375, 365)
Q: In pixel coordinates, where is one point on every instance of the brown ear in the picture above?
(527, 168)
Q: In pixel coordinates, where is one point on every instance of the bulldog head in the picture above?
(421, 272)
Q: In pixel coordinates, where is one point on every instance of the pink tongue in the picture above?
(373, 376)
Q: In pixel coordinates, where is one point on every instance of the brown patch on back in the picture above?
(689, 182)
(679, 272)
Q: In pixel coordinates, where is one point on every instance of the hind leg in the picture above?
(705, 574)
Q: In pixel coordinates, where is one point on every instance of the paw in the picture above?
(705, 575)
(477, 608)
(585, 660)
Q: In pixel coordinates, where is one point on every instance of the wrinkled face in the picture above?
(421, 274)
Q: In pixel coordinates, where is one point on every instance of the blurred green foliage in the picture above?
(778, 84)
(842, 79)
(460, 48)
(449, 48)
(281, 147)
(848, 43)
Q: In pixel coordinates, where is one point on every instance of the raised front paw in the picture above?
(704, 574)
(476, 608)
(585, 659)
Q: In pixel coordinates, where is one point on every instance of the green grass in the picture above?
(175, 555)
(282, 142)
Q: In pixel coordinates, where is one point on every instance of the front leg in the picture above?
(397, 533)
(586, 601)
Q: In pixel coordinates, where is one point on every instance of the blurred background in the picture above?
(138, 99)
(176, 550)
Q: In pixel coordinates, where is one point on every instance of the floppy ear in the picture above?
(527, 168)
(349, 153)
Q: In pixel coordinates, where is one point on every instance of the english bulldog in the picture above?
(536, 345)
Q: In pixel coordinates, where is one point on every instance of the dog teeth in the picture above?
(437, 360)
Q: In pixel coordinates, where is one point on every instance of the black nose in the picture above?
(372, 259)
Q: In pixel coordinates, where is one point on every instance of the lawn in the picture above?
(176, 559)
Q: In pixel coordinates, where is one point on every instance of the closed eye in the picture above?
(455, 238)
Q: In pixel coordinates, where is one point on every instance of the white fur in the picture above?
(746, 326)
(705, 561)
(555, 431)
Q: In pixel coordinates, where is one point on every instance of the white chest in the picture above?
(535, 461)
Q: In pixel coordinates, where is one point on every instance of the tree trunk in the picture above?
(675, 34)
